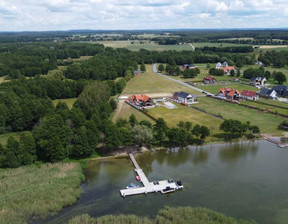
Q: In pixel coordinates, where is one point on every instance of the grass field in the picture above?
(70, 102)
(33, 191)
(149, 82)
(16, 135)
(266, 107)
(127, 110)
(207, 44)
(183, 113)
(267, 123)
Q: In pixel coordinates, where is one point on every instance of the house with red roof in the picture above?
(209, 80)
(249, 95)
(228, 69)
(141, 100)
(228, 93)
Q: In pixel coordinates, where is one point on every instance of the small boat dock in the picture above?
(278, 143)
(164, 186)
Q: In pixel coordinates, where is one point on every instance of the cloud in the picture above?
(139, 14)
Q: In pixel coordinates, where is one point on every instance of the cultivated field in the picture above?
(32, 191)
(70, 102)
(267, 123)
(149, 82)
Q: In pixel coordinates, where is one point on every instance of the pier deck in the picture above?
(148, 187)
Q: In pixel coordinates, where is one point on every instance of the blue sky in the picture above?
(41, 15)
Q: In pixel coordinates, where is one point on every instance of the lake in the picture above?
(245, 180)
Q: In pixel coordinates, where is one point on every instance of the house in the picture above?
(282, 91)
(258, 81)
(259, 63)
(268, 93)
(188, 66)
(209, 80)
(228, 69)
(137, 72)
(230, 94)
(184, 98)
(218, 65)
(141, 100)
(225, 64)
(235, 80)
(249, 95)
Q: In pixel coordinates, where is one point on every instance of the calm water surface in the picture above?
(245, 180)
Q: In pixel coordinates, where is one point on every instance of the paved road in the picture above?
(178, 81)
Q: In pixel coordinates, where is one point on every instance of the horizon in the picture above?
(65, 15)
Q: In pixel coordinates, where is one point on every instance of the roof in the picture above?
(265, 91)
(181, 94)
(228, 68)
(248, 93)
(140, 98)
(210, 78)
(257, 78)
(280, 88)
(228, 91)
(137, 72)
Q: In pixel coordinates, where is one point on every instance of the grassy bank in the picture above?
(32, 191)
(180, 215)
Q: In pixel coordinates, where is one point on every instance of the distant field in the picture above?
(16, 135)
(268, 123)
(127, 110)
(69, 102)
(266, 107)
(149, 82)
(240, 38)
(207, 44)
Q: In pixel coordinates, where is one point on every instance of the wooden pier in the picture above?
(278, 143)
(149, 187)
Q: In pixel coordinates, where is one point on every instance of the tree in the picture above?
(161, 68)
(238, 73)
(142, 135)
(205, 132)
(280, 77)
(160, 129)
(232, 73)
(233, 128)
(113, 104)
(132, 120)
(80, 144)
(142, 67)
(267, 74)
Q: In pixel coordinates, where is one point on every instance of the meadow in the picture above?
(267, 123)
(70, 102)
(37, 191)
(149, 82)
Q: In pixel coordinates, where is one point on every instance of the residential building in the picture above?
(268, 93)
(282, 91)
(141, 100)
(209, 80)
(258, 81)
(184, 98)
(249, 95)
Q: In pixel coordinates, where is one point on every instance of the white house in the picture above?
(184, 98)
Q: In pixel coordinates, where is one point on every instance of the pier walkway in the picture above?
(149, 187)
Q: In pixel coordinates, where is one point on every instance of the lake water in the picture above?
(245, 180)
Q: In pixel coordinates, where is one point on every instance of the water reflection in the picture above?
(236, 151)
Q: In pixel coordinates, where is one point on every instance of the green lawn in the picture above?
(149, 82)
(33, 191)
(70, 102)
(127, 110)
(267, 123)
(273, 102)
(266, 107)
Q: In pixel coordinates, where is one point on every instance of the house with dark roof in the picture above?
(258, 81)
(249, 95)
(188, 66)
(268, 93)
(282, 91)
(228, 93)
(137, 72)
(141, 100)
(184, 98)
(209, 80)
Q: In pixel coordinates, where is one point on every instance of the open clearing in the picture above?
(33, 191)
(70, 102)
(149, 82)
(16, 135)
(267, 123)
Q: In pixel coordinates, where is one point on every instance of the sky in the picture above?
(44, 15)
